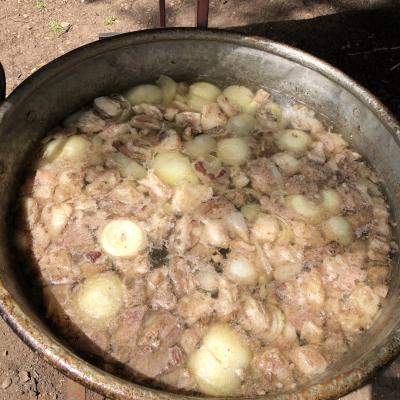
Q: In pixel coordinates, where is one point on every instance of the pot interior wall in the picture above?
(116, 64)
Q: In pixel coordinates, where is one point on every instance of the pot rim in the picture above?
(109, 385)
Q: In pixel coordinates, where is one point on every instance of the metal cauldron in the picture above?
(117, 63)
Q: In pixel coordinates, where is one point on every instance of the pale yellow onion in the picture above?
(210, 376)
(211, 163)
(59, 216)
(250, 211)
(308, 209)
(339, 230)
(237, 226)
(266, 228)
(241, 125)
(241, 270)
(331, 201)
(208, 280)
(99, 298)
(128, 168)
(277, 322)
(181, 98)
(168, 87)
(233, 151)
(205, 90)
(240, 96)
(214, 233)
(293, 140)
(174, 168)
(288, 164)
(196, 103)
(200, 146)
(250, 108)
(75, 148)
(311, 333)
(150, 94)
(53, 149)
(122, 238)
(227, 347)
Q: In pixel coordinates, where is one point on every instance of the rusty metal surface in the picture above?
(223, 57)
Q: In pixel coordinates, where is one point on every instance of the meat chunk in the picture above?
(163, 361)
(156, 187)
(304, 118)
(273, 368)
(343, 271)
(194, 307)
(160, 329)
(124, 336)
(264, 175)
(188, 197)
(308, 360)
(182, 277)
(57, 267)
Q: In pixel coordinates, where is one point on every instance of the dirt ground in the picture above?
(32, 33)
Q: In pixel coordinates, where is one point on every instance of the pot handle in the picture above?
(201, 16)
(2, 84)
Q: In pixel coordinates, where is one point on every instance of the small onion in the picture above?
(59, 216)
(233, 151)
(128, 167)
(53, 149)
(250, 211)
(168, 87)
(250, 108)
(211, 378)
(304, 207)
(241, 270)
(208, 280)
(205, 90)
(122, 238)
(196, 103)
(242, 97)
(150, 94)
(338, 229)
(311, 333)
(237, 226)
(227, 347)
(288, 164)
(266, 228)
(214, 233)
(174, 168)
(99, 298)
(331, 201)
(200, 146)
(240, 125)
(293, 140)
(76, 147)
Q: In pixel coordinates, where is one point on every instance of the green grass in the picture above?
(40, 5)
(56, 27)
(109, 20)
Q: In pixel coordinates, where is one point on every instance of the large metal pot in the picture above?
(117, 63)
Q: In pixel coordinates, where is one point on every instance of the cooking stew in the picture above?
(207, 240)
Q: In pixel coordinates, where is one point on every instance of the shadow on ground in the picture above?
(363, 44)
